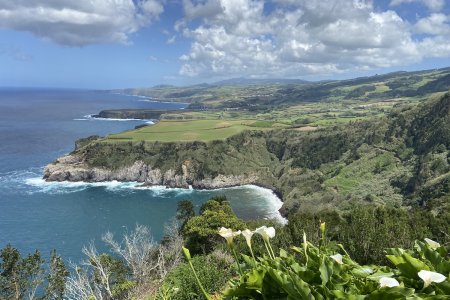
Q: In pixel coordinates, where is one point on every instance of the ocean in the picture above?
(39, 125)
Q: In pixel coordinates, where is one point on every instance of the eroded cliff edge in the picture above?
(284, 161)
(72, 168)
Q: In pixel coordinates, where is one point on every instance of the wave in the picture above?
(30, 182)
(164, 102)
(63, 187)
(92, 118)
(272, 202)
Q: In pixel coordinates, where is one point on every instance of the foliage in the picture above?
(185, 211)
(56, 278)
(200, 231)
(312, 272)
(213, 270)
(327, 271)
(366, 230)
(21, 277)
(138, 268)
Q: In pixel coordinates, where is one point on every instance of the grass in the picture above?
(192, 130)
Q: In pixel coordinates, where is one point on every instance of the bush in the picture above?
(366, 230)
(213, 270)
(200, 232)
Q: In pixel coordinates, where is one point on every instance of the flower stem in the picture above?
(268, 251)
(271, 250)
(236, 258)
(188, 258)
(253, 255)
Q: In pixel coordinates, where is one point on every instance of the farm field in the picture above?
(192, 130)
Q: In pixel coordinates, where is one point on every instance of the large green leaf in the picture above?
(408, 265)
(391, 293)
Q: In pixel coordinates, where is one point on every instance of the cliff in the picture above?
(146, 114)
(72, 168)
(402, 159)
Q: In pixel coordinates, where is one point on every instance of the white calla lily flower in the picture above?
(266, 232)
(338, 258)
(248, 236)
(388, 282)
(434, 245)
(428, 277)
(228, 234)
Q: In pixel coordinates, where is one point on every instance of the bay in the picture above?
(39, 125)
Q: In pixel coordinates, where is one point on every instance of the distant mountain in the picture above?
(251, 81)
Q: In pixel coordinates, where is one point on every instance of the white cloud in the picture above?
(435, 24)
(434, 5)
(301, 37)
(171, 40)
(78, 23)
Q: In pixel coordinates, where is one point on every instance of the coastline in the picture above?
(271, 198)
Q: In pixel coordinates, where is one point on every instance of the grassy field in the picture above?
(192, 130)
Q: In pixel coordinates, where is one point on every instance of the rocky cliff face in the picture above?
(73, 168)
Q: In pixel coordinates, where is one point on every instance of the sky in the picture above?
(141, 43)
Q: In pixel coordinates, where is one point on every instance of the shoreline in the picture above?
(273, 201)
(96, 117)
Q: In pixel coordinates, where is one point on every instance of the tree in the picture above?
(137, 269)
(185, 211)
(20, 277)
(56, 278)
(201, 231)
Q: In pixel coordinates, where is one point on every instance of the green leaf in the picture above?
(391, 293)
(408, 265)
(343, 295)
(326, 271)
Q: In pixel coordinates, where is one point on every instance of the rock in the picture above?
(222, 181)
(73, 168)
(154, 177)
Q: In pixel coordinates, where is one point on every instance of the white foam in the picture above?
(92, 118)
(62, 187)
(158, 101)
(272, 202)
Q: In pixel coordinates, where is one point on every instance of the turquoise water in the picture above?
(37, 126)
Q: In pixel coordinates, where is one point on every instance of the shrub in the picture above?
(213, 270)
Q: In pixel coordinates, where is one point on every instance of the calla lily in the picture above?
(248, 236)
(388, 282)
(434, 245)
(338, 258)
(428, 277)
(266, 232)
(228, 234)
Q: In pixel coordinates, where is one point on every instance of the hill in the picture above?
(261, 94)
(401, 159)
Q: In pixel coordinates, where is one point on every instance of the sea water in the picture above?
(39, 125)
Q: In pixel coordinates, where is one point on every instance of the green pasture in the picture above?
(192, 130)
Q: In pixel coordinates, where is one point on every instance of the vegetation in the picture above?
(370, 157)
(138, 267)
(398, 160)
(22, 277)
(196, 130)
(328, 272)
(258, 96)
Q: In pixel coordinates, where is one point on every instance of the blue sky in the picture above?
(125, 43)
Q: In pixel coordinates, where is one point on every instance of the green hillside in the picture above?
(399, 159)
